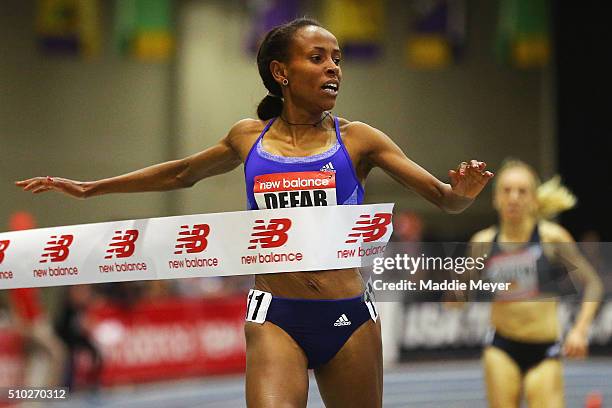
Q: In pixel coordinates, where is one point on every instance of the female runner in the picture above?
(318, 319)
(523, 353)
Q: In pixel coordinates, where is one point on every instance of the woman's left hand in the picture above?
(469, 179)
(576, 344)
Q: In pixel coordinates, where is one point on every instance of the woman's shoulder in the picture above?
(246, 128)
(243, 134)
(553, 232)
(355, 126)
(361, 134)
(248, 125)
(485, 235)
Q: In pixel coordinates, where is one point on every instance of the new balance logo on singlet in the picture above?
(342, 321)
(328, 167)
(295, 189)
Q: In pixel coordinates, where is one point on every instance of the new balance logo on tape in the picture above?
(328, 167)
(192, 240)
(3, 246)
(342, 321)
(370, 229)
(272, 235)
(200, 245)
(123, 244)
(57, 249)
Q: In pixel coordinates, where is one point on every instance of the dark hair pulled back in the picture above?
(275, 46)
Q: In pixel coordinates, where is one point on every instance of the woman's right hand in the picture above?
(39, 185)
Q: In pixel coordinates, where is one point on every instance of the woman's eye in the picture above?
(316, 58)
(337, 61)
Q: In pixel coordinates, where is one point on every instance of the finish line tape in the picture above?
(220, 244)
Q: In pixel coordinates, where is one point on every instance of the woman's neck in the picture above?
(512, 231)
(301, 124)
(295, 115)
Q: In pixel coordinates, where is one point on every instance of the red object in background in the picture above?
(11, 359)
(173, 338)
(152, 341)
(594, 400)
(11, 362)
(26, 301)
(408, 226)
(21, 220)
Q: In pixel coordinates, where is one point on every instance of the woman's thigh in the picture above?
(503, 379)
(544, 385)
(277, 369)
(354, 376)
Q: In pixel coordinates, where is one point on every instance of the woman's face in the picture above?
(313, 69)
(515, 195)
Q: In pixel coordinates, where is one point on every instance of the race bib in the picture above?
(518, 268)
(258, 303)
(370, 299)
(296, 189)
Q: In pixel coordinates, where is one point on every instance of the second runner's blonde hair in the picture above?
(553, 197)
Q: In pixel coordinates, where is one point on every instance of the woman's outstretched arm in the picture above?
(466, 181)
(170, 175)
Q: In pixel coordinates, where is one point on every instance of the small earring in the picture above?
(285, 82)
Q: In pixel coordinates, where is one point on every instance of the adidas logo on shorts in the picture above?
(328, 167)
(342, 321)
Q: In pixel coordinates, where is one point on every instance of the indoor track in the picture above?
(454, 384)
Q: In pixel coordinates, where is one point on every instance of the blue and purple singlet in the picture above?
(323, 179)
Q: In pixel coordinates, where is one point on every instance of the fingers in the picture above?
(574, 349)
(33, 185)
(473, 165)
(476, 166)
(572, 353)
(580, 352)
(36, 184)
(469, 179)
(41, 189)
(461, 168)
(24, 182)
(477, 169)
(474, 169)
(454, 176)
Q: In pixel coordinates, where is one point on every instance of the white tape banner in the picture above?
(220, 244)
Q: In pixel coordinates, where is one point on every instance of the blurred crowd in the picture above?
(55, 327)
